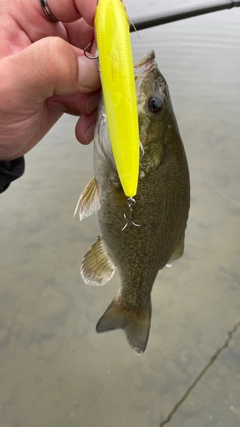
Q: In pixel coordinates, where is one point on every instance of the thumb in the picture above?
(47, 67)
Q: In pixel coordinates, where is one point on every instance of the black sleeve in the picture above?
(9, 171)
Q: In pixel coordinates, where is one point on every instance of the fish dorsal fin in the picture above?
(97, 268)
(88, 202)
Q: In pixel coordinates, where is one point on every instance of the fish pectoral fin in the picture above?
(97, 268)
(135, 323)
(178, 251)
(88, 202)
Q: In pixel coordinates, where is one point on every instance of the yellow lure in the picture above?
(119, 90)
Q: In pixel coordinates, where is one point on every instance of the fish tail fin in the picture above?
(134, 321)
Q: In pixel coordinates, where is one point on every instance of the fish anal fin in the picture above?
(88, 202)
(178, 252)
(97, 268)
(135, 323)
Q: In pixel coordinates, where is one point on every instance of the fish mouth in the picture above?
(145, 64)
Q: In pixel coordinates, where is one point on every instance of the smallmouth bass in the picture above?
(161, 209)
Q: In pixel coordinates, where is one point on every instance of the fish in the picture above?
(140, 235)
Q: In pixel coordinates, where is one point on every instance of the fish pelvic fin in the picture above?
(134, 321)
(88, 202)
(97, 267)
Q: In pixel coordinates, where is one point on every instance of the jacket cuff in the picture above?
(9, 171)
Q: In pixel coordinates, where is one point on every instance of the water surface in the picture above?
(55, 371)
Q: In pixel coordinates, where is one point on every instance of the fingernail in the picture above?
(89, 134)
(82, 68)
(88, 74)
(56, 106)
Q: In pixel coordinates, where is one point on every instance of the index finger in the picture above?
(33, 24)
(71, 10)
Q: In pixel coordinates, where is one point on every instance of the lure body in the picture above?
(119, 90)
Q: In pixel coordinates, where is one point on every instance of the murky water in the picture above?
(54, 369)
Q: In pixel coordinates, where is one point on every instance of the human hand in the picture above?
(43, 71)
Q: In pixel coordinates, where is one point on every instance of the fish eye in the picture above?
(155, 104)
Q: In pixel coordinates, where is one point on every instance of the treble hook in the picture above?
(86, 50)
(131, 202)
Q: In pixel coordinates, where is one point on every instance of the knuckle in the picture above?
(63, 60)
